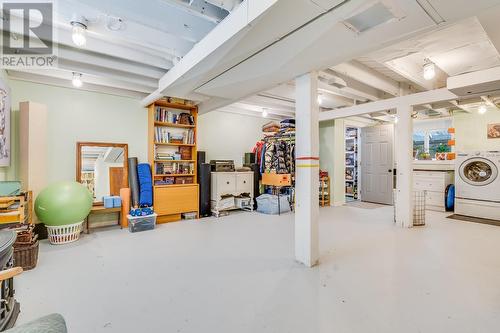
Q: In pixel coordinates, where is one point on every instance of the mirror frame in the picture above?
(79, 146)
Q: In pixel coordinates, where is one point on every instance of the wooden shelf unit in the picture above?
(171, 200)
(324, 191)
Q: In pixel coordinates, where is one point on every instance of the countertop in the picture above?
(434, 165)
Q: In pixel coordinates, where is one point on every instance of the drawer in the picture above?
(176, 199)
(434, 198)
(225, 184)
(244, 183)
(429, 184)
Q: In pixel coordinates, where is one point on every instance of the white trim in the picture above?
(426, 97)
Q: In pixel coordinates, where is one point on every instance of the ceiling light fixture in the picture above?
(79, 31)
(77, 80)
(320, 100)
(429, 70)
(482, 109)
(264, 113)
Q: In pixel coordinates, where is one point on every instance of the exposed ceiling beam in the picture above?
(324, 87)
(368, 76)
(98, 71)
(426, 97)
(489, 101)
(272, 114)
(102, 43)
(259, 109)
(352, 86)
(92, 58)
(192, 7)
(47, 80)
(95, 80)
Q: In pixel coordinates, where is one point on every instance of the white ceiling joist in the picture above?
(98, 71)
(100, 43)
(368, 76)
(391, 103)
(95, 80)
(109, 62)
(65, 83)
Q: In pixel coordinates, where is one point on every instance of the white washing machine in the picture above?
(477, 184)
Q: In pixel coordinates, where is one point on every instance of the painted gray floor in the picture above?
(237, 274)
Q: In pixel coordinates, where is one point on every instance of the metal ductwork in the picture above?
(228, 5)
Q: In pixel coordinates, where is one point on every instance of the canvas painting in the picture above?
(493, 131)
(4, 124)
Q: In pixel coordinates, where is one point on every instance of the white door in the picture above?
(377, 163)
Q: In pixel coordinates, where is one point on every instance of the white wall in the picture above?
(228, 136)
(332, 156)
(76, 115)
(471, 131)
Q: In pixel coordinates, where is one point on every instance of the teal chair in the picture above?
(53, 323)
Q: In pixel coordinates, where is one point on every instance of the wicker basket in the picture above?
(65, 233)
(26, 256)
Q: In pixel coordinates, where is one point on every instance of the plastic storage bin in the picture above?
(141, 223)
(268, 204)
(117, 201)
(107, 201)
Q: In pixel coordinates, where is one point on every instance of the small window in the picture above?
(438, 142)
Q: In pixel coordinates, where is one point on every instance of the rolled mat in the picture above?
(145, 185)
(125, 195)
(133, 181)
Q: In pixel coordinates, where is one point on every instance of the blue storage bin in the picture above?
(108, 201)
(117, 202)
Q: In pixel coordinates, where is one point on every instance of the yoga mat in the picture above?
(125, 195)
(133, 181)
(145, 185)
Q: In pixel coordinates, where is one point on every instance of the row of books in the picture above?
(162, 135)
(175, 168)
(165, 116)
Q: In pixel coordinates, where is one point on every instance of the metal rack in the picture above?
(351, 162)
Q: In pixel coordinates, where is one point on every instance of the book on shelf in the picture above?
(163, 115)
(163, 135)
(177, 168)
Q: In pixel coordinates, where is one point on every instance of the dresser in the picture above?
(226, 184)
(434, 183)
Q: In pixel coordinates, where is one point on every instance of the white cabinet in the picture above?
(229, 184)
(435, 183)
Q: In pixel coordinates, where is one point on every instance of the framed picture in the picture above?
(4, 124)
(494, 131)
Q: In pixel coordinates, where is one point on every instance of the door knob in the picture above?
(390, 170)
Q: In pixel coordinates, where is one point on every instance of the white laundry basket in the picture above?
(418, 207)
(64, 233)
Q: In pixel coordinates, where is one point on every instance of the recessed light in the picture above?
(264, 113)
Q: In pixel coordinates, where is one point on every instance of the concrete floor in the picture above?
(237, 274)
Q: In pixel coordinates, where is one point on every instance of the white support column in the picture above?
(307, 168)
(404, 160)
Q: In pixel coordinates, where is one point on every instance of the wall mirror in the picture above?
(102, 168)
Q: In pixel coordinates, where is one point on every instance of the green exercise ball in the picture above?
(63, 203)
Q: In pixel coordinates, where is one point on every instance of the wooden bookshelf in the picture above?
(171, 200)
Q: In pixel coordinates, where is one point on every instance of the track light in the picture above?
(320, 100)
(264, 113)
(482, 109)
(429, 70)
(77, 80)
(79, 32)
